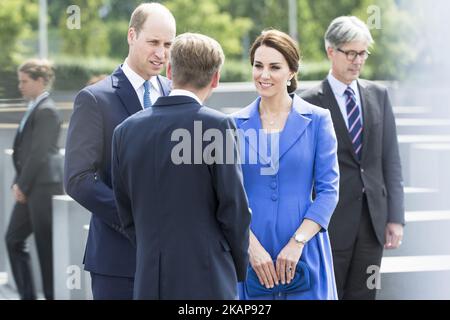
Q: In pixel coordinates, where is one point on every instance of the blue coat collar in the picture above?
(296, 123)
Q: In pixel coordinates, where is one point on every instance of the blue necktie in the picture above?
(147, 101)
(354, 121)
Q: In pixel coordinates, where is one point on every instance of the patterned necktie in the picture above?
(354, 121)
(147, 100)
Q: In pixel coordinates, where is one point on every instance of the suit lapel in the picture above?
(125, 91)
(295, 125)
(252, 123)
(368, 116)
(19, 133)
(164, 86)
(328, 100)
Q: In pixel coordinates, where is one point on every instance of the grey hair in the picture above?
(346, 29)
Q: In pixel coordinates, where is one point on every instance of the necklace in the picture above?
(273, 118)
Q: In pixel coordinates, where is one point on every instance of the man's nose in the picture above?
(160, 52)
(358, 59)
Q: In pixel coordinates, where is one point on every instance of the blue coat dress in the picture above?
(280, 187)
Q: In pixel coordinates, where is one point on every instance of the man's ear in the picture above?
(131, 36)
(215, 80)
(330, 52)
(169, 71)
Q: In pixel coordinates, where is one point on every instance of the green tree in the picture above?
(395, 37)
(204, 16)
(92, 37)
(16, 18)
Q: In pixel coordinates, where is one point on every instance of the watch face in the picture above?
(300, 238)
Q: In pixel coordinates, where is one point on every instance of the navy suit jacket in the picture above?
(98, 109)
(190, 222)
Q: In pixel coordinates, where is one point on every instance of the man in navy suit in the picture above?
(181, 199)
(98, 109)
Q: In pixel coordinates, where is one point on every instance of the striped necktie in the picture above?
(354, 121)
(147, 100)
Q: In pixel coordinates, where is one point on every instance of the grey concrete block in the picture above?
(70, 229)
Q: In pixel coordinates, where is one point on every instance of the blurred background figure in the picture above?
(38, 177)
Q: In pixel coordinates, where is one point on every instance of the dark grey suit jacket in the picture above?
(378, 174)
(36, 153)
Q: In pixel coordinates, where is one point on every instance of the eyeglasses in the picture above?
(352, 54)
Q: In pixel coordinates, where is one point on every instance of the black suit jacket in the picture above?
(378, 174)
(190, 222)
(98, 109)
(36, 153)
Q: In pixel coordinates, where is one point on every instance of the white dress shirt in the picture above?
(180, 92)
(138, 84)
(339, 88)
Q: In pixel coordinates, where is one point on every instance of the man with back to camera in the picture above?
(189, 218)
(370, 211)
(98, 109)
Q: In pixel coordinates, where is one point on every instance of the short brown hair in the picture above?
(284, 44)
(195, 58)
(39, 68)
(141, 13)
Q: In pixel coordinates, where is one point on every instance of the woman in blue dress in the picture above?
(290, 168)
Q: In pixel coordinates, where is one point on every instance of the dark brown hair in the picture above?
(284, 44)
(39, 68)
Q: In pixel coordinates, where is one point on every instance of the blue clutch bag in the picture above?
(300, 282)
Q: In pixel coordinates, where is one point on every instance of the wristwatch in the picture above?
(300, 239)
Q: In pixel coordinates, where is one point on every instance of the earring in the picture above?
(288, 83)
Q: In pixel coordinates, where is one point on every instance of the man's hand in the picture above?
(18, 194)
(394, 235)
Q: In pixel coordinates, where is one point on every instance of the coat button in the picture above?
(362, 170)
(274, 197)
(273, 185)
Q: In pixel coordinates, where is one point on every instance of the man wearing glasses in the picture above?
(370, 212)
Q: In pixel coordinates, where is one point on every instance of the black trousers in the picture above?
(351, 265)
(35, 216)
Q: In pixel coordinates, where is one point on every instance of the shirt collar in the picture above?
(39, 98)
(181, 92)
(339, 87)
(136, 80)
